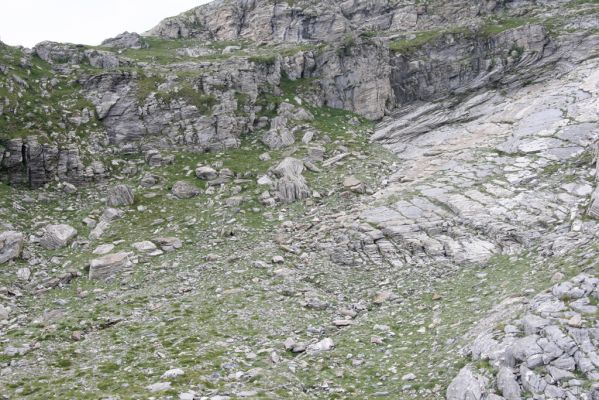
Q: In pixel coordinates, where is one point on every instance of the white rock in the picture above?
(103, 249)
(173, 373)
(145, 247)
(159, 387)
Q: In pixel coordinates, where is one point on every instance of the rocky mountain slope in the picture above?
(303, 199)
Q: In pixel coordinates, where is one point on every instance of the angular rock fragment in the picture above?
(108, 265)
(291, 185)
(120, 195)
(11, 245)
(57, 236)
(185, 190)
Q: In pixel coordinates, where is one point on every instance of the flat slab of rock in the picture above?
(108, 265)
(103, 249)
(57, 236)
(11, 245)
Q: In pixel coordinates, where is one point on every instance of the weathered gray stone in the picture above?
(467, 385)
(120, 195)
(11, 245)
(291, 185)
(57, 236)
(185, 190)
(108, 265)
(126, 40)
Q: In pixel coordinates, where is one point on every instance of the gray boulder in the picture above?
(206, 173)
(506, 382)
(57, 236)
(11, 245)
(185, 190)
(291, 185)
(108, 265)
(467, 385)
(120, 195)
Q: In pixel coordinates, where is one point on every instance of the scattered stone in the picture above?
(354, 184)
(24, 274)
(408, 377)
(159, 387)
(324, 345)
(144, 247)
(168, 244)
(173, 373)
(383, 297)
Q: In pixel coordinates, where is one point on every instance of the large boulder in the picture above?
(206, 173)
(57, 236)
(120, 195)
(185, 190)
(291, 185)
(108, 265)
(11, 245)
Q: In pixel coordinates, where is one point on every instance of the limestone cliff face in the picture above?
(368, 57)
(264, 20)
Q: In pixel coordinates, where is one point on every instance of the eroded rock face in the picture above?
(261, 20)
(25, 161)
(11, 245)
(63, 53)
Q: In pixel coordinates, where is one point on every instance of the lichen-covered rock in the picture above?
(120, 195)
(11, 245)
(57, 236)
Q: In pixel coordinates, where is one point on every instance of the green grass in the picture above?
(495, 26)
(406, 46)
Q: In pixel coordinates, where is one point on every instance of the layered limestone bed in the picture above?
(305, 200)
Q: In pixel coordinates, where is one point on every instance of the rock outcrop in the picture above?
(547, 353)
(126, 40)
(29, 162)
